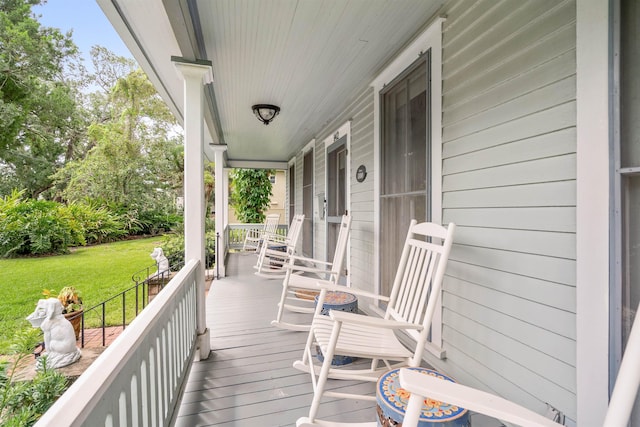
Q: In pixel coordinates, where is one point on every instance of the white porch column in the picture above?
(592, 211)
(194, 207)
(222, 188)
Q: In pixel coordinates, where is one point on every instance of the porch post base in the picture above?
(204, 345)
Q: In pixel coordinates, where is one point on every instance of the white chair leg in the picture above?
(318, 391)
(283, 297)
(324, 371)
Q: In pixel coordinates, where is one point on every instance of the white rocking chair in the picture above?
(276, 250)
(298, 291)
(423, 386)
(253, 238)
(410, 308)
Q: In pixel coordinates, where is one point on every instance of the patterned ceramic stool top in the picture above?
(392, 402)
(342, 301)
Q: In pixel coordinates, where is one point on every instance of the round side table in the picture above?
(392, 401)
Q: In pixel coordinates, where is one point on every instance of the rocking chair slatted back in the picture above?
(254, 238)
(294, 233)
(271, 223)
(419, 278)
(271, 241)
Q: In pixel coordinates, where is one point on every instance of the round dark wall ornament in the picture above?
(361, 173)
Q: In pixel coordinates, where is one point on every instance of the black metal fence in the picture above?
(119, 310)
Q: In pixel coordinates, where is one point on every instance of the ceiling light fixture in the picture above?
(265, 112)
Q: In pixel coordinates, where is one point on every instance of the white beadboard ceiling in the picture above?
(309, 57)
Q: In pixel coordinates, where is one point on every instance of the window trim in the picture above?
(430, 39)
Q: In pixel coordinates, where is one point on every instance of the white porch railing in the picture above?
(139, 379)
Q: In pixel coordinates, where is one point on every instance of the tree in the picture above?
(38, 111)
(251, 193)
(132, 156)
(209, 185)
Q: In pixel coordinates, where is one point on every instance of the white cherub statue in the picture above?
(161, 261)
(59, 337)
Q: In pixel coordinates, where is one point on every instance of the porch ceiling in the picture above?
(310, 57)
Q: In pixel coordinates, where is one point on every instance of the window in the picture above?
(404, 161)
(337, 187)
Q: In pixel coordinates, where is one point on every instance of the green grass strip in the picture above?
(98, 272)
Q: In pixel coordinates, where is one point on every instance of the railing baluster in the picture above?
(82, 330)
(103, 325)
(217, 255)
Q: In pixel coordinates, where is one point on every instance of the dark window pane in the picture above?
(404, 165)
(417, 137)
(292, 192)
(397, 212)
(307, 204)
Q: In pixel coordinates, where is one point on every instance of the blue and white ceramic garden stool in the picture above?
(341, 301)
(392, 401)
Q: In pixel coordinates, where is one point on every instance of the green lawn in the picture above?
(98, 272)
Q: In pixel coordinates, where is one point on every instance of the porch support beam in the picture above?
(221, 207)
(194, 207)
(257, 164)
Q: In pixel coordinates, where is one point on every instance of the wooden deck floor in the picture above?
(249, 379)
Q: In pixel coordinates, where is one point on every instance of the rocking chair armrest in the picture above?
(378, 322)
(274, 252)
(306, 269)
(274, 238)
(324, 284)
(307, 259)
(474, 400)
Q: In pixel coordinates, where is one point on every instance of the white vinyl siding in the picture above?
(362, 231)
(509, 183)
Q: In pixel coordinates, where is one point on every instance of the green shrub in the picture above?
(22, 403)
(35, 227)
(173, 248)
(139, 220)
(98, 224)
(156, 221)
(38, 227)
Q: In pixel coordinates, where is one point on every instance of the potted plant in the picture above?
(72, 307)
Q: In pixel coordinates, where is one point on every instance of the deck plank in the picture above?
(249, 379)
